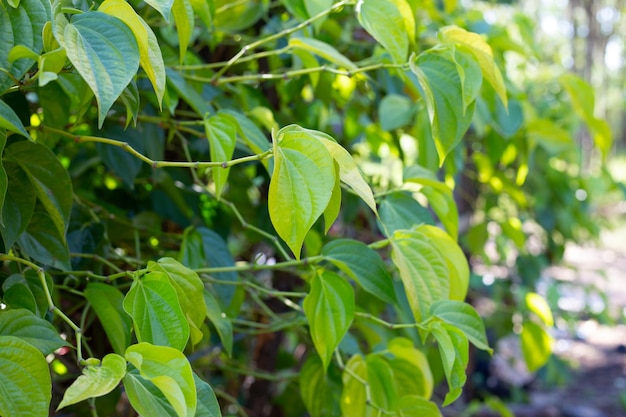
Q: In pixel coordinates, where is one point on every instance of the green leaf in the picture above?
(441, 88)
(222, 135)
(442, 203)
(24, 379)
(353, 394)
(321, 49)
(538, 305)
(399, 210)
(10, 121)
(20, 25)
(4, 179)
(423, 271)
(476, 45)
(301, 184)
(462, 316)
(50, 65)
(232, 16)
(381, 382)
(187, 92)
(145, 397)
(581, 95)
(48, 177)
(349, 172)
(105, 53)
(453, 348)
(27, 291)
(96, 380)
(334, 205)
(107, 302)
(32, 329)
(547, 134)
(170, 371)
(395, 111)
(456, 261)
(164, 7)
(470, 76)
(150, 57)
(315, 7)
(22, 52)
(153, 304)
(536, 345)
(385, 22)
(189, 289)
(413, 405)
(319, 390)
(205, 10)
(363, 265)
(42, 241)
(220, 321)
(411, 369)
(329, 308)
(184, 19)
(207, 405)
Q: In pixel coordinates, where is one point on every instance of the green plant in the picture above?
(198, 225)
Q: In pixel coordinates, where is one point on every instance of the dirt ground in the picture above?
(597, 352)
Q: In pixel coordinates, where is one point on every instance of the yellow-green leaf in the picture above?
(96, 380)
(222, 135)
(536, 345)
(150, 57)
(301, 186)
(538, 305)
(480, 49)
(184, 18)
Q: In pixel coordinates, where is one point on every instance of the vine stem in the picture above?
(278, 35)
(41, 274)
(159, 164)
(392, 326)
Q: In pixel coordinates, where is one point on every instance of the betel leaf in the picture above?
(384, 21)
(363, 265)
(413, 405)
(476, 45)
(96, 380)
(395, 111)
(453, 349)
(105, 53)
(10, 121)
(24, 379)
(20, 25)
(536, 345)
(251, 136)
(413, 365)
(423, 271)
(381, 382)
(18, 295)
(549, 135)
(321, 49)
(399, 210)
(42, 241)
(207, 405)
(150, 57)
(32, 287)
(189, 289)
(329, 308)
(164, 7)
(220, 321)
(184, 19)
(145, 397)
(538, 305)
(301, 185)
(462, 316)
(441, 88)
(444, 206)
(170, 371)
(470, 75)
(334, 204)
(319, 389)
(30, 328)
(49, 179)
(4, 179)
(222, 135)
(157, 317)
(315, 7)
(354, 395)
(456, 261)
(107, 302)
(205, 10)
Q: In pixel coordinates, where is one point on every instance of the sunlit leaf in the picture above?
(323, 50)
(301, 184)
(462, 316)
(183, 16)
(385, 22)
(536, 345)
(96, 380)
(353, 394)
(319, 390)
(170, 371)
(453, 349)
(222, 136)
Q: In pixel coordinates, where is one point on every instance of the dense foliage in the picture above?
(261, 202)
